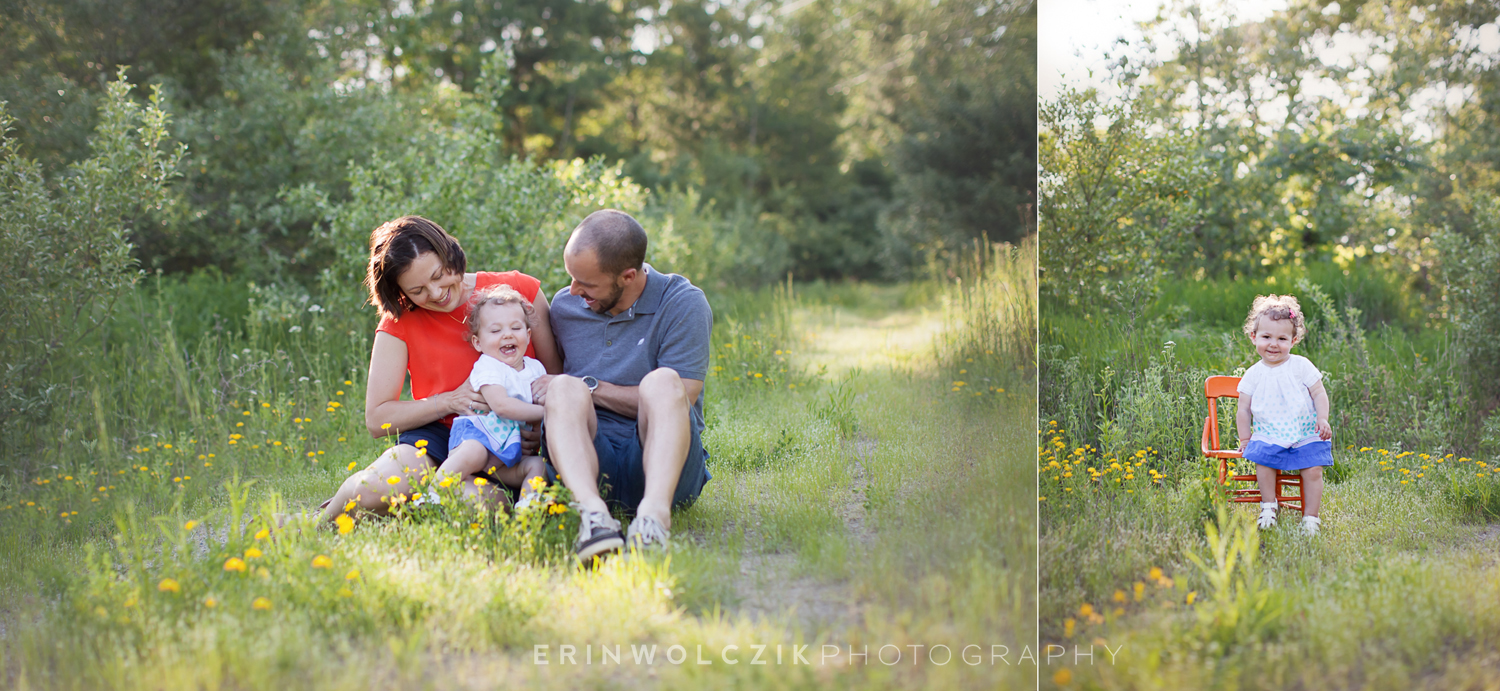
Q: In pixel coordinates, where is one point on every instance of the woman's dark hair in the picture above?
(393, 247)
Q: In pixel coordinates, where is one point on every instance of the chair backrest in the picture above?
(1215, 388)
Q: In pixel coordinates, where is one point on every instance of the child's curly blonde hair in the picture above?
(501, 294)
(1277, 308)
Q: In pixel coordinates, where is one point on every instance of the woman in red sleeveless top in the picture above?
(417, 282)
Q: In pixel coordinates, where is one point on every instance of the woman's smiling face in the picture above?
(429, 286)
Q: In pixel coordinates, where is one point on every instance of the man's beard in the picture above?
(605, 304)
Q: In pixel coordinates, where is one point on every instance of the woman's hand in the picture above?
(463, 400)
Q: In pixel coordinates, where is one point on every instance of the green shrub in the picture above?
(1241, 610)
(508, 213)
(65, 249)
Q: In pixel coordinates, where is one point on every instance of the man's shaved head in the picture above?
(617, 240)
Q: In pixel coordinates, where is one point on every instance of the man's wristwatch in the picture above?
(591, 382)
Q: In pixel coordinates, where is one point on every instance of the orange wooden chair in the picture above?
(1228, 387)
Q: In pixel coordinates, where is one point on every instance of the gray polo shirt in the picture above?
(668, 326)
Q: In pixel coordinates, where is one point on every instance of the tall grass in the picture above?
(991, 309)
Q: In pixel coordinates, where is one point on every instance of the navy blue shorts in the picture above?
(436, 435)
(622, 476)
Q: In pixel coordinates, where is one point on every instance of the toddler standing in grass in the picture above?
(1283, 410)
(489, 445)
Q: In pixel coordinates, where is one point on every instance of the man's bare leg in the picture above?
(571, 425)
(664, 423)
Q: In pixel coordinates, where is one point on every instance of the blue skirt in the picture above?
(465, 429)
(1282, 458)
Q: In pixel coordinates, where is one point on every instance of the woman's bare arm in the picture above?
(541, 336)
(383, 404)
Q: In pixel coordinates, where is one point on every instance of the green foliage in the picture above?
(274, 127)
(837, 408)
(507, 213)
(987, 308)
(1472, 291)
(960, 175)
(1116, 201)
(66, 248)
(1334, 331)
(716, 249)
(57, 57)
(1242, 610)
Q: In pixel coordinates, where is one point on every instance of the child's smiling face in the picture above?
(1273, 340)
(503, 333)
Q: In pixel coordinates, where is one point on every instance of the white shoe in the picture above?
(647, 533)
(528, 500)
(1267, 518)
(1310, 524)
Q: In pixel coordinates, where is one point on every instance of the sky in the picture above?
(1076, 33)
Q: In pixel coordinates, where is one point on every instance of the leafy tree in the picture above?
(57, 55)
(561, 57)
(963, 103)
(64, 245)
(1116, 203)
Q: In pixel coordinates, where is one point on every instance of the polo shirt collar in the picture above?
(650, 299)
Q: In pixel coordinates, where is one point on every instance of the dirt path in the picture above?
(769, 585)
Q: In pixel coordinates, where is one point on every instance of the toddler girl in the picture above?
(489, 445)
(1283, 410)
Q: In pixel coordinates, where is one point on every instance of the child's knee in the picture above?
(533, 465)
(467, 457)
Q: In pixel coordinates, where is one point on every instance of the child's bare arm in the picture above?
(1244, 422)
(510, 408)
(1320, 404)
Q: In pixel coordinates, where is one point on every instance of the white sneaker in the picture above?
(1267, 518)
(1310, 524)
(647, 533)
(528, 500)
(424, 498)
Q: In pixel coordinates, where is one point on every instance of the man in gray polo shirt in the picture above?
(627, 412)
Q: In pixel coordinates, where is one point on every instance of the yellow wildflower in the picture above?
(168, 585)
(322, 562)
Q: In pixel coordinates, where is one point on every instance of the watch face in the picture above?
(591, 382)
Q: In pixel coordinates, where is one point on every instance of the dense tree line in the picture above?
(830, 138)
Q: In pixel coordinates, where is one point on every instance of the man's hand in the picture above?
(539, 389)
(531, 440)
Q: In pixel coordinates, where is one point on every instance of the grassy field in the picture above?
(1138, 549)
(871, 488)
